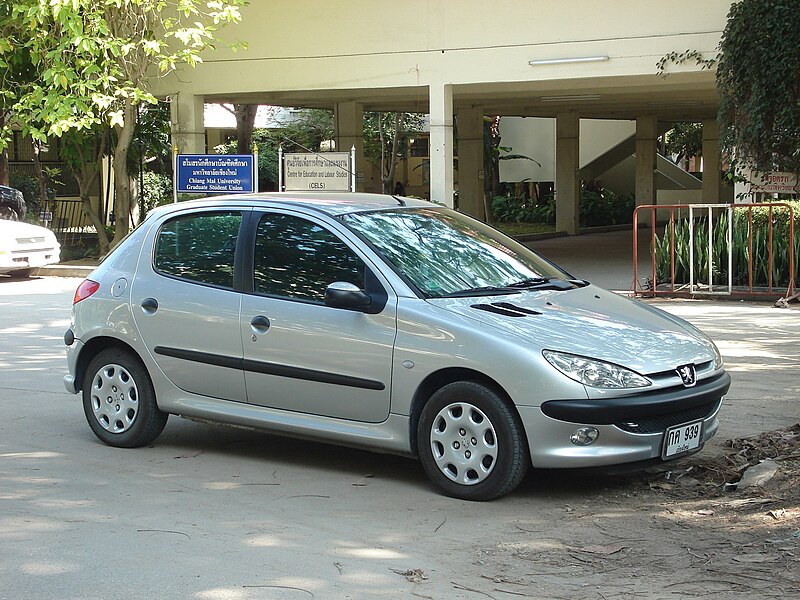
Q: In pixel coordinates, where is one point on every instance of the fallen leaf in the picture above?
(189, 454)
(412, 575)
(604, 550)
(661, 486)
(754, 558)
(705, 512)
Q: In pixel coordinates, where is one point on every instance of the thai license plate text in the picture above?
(682, 439)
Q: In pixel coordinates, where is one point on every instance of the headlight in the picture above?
(718, 362)
(595, 373)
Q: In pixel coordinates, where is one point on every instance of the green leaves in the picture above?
(88, 57)
(758, 81)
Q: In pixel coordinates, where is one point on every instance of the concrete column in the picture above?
(349, 123)
(711, 164)
(568, 184)
(188, 127)
(441, 147)
(646, 149)
(470, 162)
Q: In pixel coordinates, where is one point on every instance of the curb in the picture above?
(64, 271)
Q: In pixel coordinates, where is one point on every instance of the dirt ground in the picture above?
(668, 533)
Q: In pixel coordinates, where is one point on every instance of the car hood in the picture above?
(18, 229)
(590, 322)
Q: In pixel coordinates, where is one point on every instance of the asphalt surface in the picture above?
(212, 512)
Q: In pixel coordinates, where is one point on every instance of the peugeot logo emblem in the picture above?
(687, 374)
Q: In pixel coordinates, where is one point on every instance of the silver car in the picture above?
(386, 323)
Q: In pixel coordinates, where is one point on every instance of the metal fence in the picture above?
(69, 222)
(712, 250)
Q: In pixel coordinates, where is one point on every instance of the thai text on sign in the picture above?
(330, 171)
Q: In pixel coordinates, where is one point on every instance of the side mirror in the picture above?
(341, 294)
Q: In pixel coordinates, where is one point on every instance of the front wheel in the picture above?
(119, 400)
(20, 273)
(471, 443)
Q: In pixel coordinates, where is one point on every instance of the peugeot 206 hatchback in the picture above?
(387, 323)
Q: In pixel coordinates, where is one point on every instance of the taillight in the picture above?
(85, 289)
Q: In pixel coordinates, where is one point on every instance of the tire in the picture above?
(20, 273)
(119, 400)
(471, 443)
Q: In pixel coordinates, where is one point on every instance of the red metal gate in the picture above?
(673, 273)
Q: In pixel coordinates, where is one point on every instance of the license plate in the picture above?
(682, 439)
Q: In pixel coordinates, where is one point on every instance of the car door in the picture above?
(299, 354)
(185, 304)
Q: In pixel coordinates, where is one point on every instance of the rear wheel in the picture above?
(471, 444)
(119, 400)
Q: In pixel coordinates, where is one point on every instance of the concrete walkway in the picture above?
(605, 259)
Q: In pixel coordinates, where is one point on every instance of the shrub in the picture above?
(510, 209)
(598, 207)
(29, 186)
(157, 190)
(741, 239)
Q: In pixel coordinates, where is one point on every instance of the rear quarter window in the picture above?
(199, 247)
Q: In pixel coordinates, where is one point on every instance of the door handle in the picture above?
(260, 324)
(149, 305)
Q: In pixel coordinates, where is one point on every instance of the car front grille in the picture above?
(30, 240)
(661, 423)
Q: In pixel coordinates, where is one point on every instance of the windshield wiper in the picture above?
(530, 282)
(486, 290)
(542, 283)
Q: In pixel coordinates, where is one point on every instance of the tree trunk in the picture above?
(3, 156)
(388, 188)
(37, 166)
(122, 182)
(84, 164)
(4, 167)
(389, 164)
(245, 122)
(85, 183)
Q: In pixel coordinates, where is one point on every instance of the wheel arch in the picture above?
(94, 347)
(437, 380)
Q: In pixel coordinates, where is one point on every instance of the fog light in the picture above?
(584, 436)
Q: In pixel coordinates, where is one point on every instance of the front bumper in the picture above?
(631, 429)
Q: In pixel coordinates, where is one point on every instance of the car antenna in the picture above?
(400, 201)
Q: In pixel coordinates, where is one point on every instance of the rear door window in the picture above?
(199, 247)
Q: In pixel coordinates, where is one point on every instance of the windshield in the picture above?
(445, 253)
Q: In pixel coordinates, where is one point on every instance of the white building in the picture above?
(459, 61)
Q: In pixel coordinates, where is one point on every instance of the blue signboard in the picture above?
(215, 173)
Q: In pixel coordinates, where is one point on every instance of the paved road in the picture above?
(226, 514)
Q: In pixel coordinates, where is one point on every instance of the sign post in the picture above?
(280, 168)
(174, 174)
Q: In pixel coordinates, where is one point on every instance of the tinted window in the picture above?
(199, 247)
(295, 258)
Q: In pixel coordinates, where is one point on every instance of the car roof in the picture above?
(331, 203)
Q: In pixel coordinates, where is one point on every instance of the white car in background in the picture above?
(23, 247)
